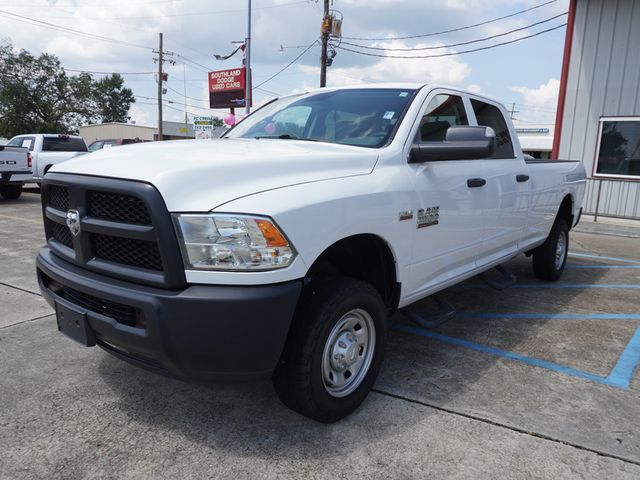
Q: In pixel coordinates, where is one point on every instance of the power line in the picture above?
(484, 39)
(40, 23)
(215, 12)
(108, 73)
(488, 47)
(456, 29)
(197, 65)
(286, 66)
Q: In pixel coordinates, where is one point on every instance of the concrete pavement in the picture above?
(528, 383)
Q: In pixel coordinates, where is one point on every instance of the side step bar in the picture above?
(445, 312)
(505, 280)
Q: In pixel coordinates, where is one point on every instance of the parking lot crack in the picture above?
(508, 427)
(8, 285)
(26, 321)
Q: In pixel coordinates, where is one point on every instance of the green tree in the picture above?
(112, 99)
(37, 95)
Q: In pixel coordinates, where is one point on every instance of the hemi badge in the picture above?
(406, 215)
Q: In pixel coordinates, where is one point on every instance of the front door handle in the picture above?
(522, 178)
(476, 182)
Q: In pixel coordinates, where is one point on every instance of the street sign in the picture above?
(202, 127)
(227, 88)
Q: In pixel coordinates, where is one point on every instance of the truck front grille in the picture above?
(125, 228)
(62, 234)
(127, 251)
(119, 208)
(59, 197)
(120, 313)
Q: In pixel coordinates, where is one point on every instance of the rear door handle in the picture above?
(522, 178)
(476, 182)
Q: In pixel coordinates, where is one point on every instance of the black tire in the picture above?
(10, 192)
(323, 308)
(548, 260)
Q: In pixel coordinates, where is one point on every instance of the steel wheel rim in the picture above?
(561, 250)
(348, 353)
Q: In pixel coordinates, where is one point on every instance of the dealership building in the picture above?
(598, 118)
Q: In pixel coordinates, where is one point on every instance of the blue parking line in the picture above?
(615, 259)
(553, 316)
(536, 362)
(626, 365)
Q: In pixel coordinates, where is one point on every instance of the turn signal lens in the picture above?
(271, 234)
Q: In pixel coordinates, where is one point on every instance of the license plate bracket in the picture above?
(73, 323)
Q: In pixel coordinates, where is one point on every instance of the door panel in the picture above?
(445, 246)
(507, 199)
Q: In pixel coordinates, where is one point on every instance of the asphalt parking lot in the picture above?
(539, 381)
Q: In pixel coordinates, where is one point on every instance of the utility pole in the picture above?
(247, 96)
(326, 28)
(184, 83)
(513, 110)
(160, 62)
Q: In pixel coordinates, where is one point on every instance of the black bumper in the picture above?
(201, 333)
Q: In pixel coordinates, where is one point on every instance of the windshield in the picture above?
(362, 117)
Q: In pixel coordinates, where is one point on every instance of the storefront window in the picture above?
(619, 148)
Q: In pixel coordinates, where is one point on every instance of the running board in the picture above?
(505, 280)
(445, 312)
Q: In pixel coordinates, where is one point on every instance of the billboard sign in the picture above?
(203, 127)
(227, 88)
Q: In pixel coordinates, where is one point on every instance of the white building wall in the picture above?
(104, 131)
(603, 80)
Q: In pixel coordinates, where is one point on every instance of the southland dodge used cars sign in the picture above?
(227, 88)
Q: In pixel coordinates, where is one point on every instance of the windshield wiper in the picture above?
(287, 136)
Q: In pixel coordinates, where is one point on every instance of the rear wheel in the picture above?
(550, 258)
(10, 192)
(334, 350)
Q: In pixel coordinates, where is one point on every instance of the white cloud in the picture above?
(545, 96)
(139, 116)
(539, 103)
(444, 70)
(473, 88)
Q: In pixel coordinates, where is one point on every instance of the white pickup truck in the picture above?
(15, 169)
(48, 149)
(283, 249)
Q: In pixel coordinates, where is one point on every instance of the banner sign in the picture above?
(227, 88)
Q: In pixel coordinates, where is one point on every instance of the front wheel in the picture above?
(334, 350)
(550, 258)
(10, 192)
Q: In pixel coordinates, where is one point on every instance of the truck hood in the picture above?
(199, 175)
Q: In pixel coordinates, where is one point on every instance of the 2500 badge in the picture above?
(428, 217)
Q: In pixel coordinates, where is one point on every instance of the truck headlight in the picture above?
(232, 242)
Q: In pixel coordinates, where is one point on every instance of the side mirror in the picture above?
(460, 143)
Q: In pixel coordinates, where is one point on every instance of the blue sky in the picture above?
(525, 72)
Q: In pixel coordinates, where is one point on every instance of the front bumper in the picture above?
(201, 333)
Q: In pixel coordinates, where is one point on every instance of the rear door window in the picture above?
(22, 142)
(443, 111)
(490, 116)
(63, 144)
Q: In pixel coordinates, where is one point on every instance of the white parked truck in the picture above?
(15, 169)
(282, 250)
(48, 149)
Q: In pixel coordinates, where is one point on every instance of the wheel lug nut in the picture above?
(338, 356)
(342, 344)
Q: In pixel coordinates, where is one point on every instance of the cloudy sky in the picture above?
(526, 72)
